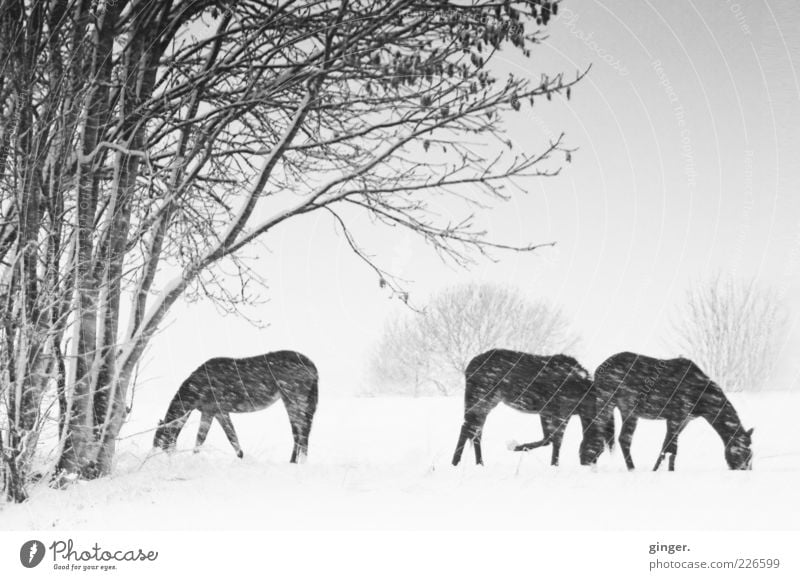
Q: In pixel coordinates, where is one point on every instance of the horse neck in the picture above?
(587, 403)
(179, 408)
(720, 414)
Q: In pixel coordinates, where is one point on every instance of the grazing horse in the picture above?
(672, 389)
(556, 387)
(221, 386)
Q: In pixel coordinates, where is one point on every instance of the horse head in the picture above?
(591, 448)
(737, 452)
(166, 435)
(595, 439)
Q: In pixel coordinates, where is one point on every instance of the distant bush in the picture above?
(426, 353)
(733, 329)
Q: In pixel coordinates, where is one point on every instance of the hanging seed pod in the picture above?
(568, 93)
(515, 103)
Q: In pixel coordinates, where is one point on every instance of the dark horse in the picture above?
(556, 387)
(221, 386)
(672, 389)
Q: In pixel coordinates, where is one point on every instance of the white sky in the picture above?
(688, 164)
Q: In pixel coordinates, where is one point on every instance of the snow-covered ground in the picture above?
(385, 463)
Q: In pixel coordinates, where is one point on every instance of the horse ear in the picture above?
(749, 432)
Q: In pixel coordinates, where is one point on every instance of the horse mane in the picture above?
(567, 360)
(577, 368)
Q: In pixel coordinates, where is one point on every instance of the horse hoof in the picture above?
(512, 445)
(239, 454)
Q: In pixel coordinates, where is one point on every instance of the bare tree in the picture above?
(733, 329)
(428, 352)
(146, 145)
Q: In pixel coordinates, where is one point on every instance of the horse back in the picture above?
(252, 383)
(655, 388)
(526, 382)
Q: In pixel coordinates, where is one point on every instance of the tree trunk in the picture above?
(79, 441)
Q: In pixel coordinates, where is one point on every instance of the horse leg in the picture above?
(462, 441)
(202, 433)
(300, 419)
(556, 437)
(301, 404)
(301, 428)
(227, 426)
(673, 453)
(476, 445)
(673, 448)
(472, 429)
(670, 444)
(626, 438)
(476, 440)
(533, 445)
(545, 440)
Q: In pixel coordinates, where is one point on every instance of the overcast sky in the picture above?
(688, 137)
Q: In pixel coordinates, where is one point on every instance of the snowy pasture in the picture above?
(384, 463)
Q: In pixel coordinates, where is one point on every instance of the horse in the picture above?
(675, 390)
(556, 387)
(221, 386)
